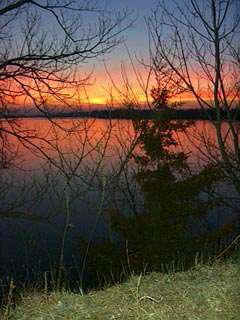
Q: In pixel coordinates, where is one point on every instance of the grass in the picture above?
(204, 292)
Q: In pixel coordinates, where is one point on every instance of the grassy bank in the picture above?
(205, 292)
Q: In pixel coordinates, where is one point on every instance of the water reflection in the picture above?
(172, 222)
(115, 197)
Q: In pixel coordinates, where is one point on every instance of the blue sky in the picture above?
(137, 36)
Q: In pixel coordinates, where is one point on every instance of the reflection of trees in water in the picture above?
(176, 200)
(151, 208)
(39, 74)
(43, 203)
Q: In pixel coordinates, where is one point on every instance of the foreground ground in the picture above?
(205, 292)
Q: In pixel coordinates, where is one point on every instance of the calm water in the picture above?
(110, 197)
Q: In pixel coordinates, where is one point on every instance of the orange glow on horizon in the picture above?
(103, 91)
(95, 95)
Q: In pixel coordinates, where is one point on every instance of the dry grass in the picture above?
(205, 292)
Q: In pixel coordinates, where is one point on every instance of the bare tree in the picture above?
(43, 46)
(199, 42)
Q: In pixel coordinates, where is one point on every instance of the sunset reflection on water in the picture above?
(95, 167)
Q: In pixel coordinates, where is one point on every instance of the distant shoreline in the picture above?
(132, 114)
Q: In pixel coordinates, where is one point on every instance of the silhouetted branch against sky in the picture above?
(199, 41)
(43, 44)
(189, 36)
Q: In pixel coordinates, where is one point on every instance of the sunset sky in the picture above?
(115, 68)
(137, 44)
(118, 61)
(99, 89)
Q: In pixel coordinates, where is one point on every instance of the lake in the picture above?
(90, 201)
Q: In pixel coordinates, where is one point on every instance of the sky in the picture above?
(114, 68)
(136, 41)
(137, 44)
